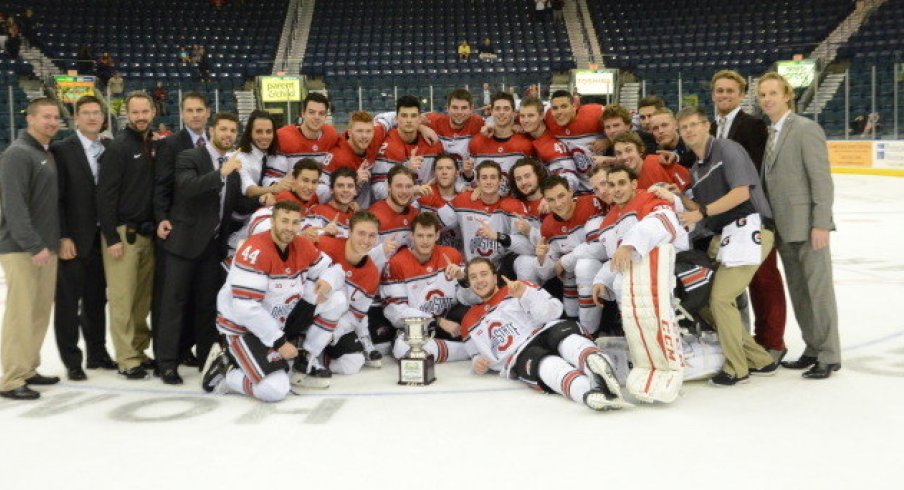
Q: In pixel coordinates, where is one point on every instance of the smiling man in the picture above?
(125, 211)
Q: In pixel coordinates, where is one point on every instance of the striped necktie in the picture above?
(770, 148)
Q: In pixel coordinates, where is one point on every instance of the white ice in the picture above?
(466, 431)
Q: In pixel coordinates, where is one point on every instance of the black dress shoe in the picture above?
(76, 374)
(38, 379)
(802, 363)
(102, 363)
(21, 393)
(149, 365)
(189, 359)
(170, 377)
(136, 372)
(821, 370)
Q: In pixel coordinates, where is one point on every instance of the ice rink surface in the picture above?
(466, 431)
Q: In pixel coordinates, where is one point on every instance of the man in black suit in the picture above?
(767, 291)
(207, 191)
(194, 112)
(80, 275)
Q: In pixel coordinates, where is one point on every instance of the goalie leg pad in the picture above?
(649, 322)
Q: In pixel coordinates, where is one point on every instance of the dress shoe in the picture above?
(821, 370)
(136, 372)
(102, 363)
(170, 377)
(21, 393)
(725, 379)
(803, 363)
(189, 359)
(777, 355)
(149, 365)
(38, 379)
(76, 374)
(767, 370)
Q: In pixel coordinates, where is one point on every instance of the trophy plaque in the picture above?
(416, 367)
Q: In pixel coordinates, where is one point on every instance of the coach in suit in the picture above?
(194, 112)
(207, 191)
(80, 274)
(767, 291)
(799, 185)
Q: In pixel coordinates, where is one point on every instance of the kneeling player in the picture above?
(264, 285)
(422, 281)
(516, 331)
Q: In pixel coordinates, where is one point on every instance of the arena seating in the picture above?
(241, 39)
(411, 44)
(10, 71)
(879, 43)
(658, 39)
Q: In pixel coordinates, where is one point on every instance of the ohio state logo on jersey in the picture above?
(483, 247)
(281, 312)
(581, 161)
(502, 335)
(436, 303)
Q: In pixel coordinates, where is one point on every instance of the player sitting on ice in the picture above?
(639, 237)
(266, 282)
(515, 330)
(423, 281)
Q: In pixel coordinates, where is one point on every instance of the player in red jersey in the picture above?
(305, 175)
(313, 138)
(423, 281)
(444, 188)
(629, 148)
(553, 153)
(577, 127)
(356, 151)
(404, 146)
(458, 125)
(332, 218)
(504, 146)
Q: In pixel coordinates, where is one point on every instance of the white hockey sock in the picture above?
(588, 313)
(563, 378)
(316, 339)
(366, 342)
(575, 350)
(236, 383)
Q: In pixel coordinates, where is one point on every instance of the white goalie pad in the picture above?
(702, 356)
(654, 341)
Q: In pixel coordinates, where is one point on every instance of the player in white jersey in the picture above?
(423, 281)
(271, 274)
(515, 330)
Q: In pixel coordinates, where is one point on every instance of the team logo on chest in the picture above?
(502, 335)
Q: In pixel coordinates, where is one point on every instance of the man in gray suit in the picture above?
(799, 186)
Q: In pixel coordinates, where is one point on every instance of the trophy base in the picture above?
(417, 372)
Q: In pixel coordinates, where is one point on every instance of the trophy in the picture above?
(416, 367)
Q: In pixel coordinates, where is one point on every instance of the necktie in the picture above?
(200, 143)
(220, 161)
(260, 181)
(97, 149)
(770, 148)
(723, 129)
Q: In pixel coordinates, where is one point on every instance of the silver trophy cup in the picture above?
(417, 366)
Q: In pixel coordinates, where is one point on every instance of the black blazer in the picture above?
(195, 214)
(750, 132)
(78, 193)
(164, 170)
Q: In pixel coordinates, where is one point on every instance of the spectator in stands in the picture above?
(106, 67)
(203, 64)
(485, 99)
(558, 7)
(26, 23)
(540, 10)
(195, 54)
(84, 61)
(3, 24)
(217, 4)
(185, 55)
(13, 43)
(646, 108)
(464, 50)
(486, 49)
(116, 85)
(161, 97)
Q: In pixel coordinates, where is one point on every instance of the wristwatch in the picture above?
(702, 210)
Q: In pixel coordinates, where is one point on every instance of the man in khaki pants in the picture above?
(728, 200)
(29, 240)
(124, 207)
